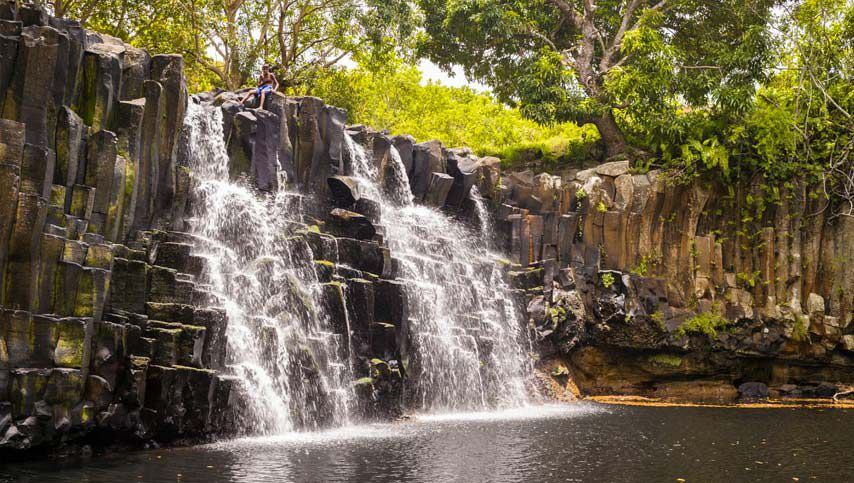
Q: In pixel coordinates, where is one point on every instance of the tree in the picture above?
(803, 125)
(224, 41)
(388, 94)
(311, 36)
(630, 67)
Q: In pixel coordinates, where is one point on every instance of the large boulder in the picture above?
(350, 225)
(753, 390)
(427, 159)
(344, 190)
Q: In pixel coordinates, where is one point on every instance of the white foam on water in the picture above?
(532, 412)
(336, 435)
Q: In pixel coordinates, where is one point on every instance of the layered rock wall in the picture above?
(101, 326)
(626, 268)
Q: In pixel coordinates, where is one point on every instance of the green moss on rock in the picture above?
(669, 360)
(71, 343)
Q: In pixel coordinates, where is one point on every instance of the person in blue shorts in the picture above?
(267, 84)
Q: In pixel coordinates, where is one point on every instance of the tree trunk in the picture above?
(612, 136)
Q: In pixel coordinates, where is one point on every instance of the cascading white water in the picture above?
(484, 220)
(280, 343)
(469, 349)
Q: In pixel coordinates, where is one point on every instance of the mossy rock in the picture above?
(72, 340)
(28, 386)
(99, 256)
(167, 345)
(57, 195)
(380, 369)
(364, 382)
(666, 360)
(64, 387)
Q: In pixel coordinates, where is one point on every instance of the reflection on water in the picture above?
(579, 442)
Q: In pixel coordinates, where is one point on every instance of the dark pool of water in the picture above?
(582, 442)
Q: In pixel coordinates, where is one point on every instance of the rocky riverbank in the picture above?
(638, 285)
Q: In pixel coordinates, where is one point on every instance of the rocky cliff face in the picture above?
(642, 286)
(101, 328)
(107, 328)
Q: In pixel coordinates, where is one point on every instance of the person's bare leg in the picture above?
(246, 97)
(263, 96)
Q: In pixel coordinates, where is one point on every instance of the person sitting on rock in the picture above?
(267, 83)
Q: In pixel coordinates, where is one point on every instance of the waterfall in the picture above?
(468, 343)
(484, 221)
(280, 342)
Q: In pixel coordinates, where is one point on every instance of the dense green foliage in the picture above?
(708, 323)
(643, 62)
(225, 41)
(732, 91)
(391, 96)
(801, 126)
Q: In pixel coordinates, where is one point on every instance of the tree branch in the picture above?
(618, 37)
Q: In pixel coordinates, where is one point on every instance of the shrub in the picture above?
(799, 332)
(608, 279)
(708, 323)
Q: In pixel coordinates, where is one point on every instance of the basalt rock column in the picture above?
(92, 311)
